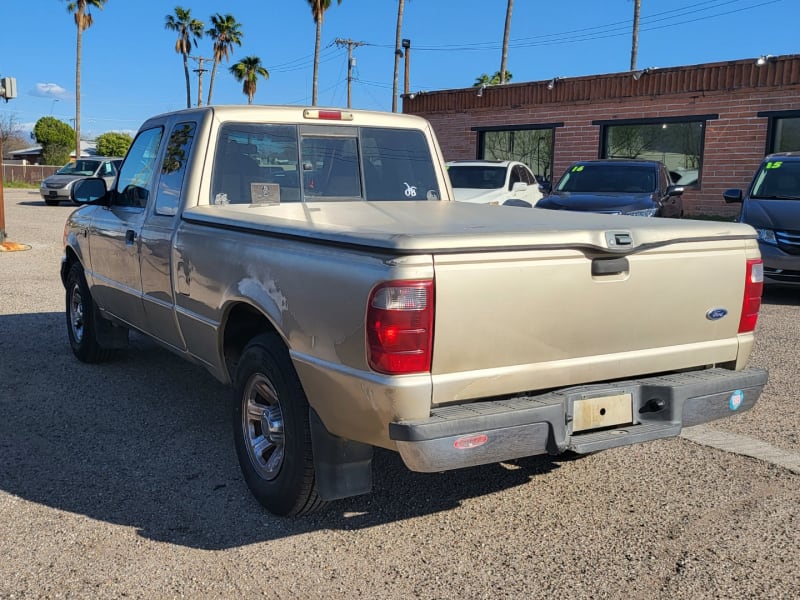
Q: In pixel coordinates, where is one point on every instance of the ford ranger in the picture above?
(314, 259)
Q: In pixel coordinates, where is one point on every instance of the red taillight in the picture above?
(328, 115)
(751, 303)
(400, 327)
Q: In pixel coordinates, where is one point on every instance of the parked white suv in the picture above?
(493, 182)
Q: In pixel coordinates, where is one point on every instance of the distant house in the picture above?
(33, 155)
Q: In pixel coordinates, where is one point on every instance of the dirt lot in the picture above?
(120, 480)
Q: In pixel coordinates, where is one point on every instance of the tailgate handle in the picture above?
(609, 266)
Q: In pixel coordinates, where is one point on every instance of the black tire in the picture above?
(271, 429)
(81, 324)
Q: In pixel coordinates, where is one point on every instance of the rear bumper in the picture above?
(496, 430)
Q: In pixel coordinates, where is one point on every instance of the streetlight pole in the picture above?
(406, 64)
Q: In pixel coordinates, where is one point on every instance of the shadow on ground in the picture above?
(145, 441)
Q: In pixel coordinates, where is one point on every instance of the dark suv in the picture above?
(772, 206)
(614, 186)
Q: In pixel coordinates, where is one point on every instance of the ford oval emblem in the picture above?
(715, 314)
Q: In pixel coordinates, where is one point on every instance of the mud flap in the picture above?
(343, 467)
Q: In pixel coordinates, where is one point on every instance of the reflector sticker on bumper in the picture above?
(736, 399)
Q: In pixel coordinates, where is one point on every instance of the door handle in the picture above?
(609, 266)
(130, 237)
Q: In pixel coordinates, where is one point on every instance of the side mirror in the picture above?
(732, 196)
(675, 190)
(91, 190)
(519, 186)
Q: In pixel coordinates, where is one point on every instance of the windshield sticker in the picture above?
(411, 190)
(773, 165)
(432, 195)
(577, 169)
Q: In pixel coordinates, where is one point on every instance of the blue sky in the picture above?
(131, 70)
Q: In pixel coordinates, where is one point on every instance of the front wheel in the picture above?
(81, 323)
(271, 429)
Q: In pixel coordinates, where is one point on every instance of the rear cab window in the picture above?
(275, 163)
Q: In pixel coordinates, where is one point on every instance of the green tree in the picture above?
(56, 138)
(318, 8)
(226, 33)
(113, 143)
(83, 20)
(189, 31)
(484, 79)
(247, 71)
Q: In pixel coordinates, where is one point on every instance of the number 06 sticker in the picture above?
(411, 190)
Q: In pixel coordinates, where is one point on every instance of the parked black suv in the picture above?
(615, 186)
(772, 206)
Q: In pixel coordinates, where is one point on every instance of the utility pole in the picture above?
(350, 63)
(200, 70)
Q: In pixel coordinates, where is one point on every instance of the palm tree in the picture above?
(504, 59)
(318, 8)
(397, 51)
(189, 31)
(637, 5)
(483, 79)
(247, 71)
(226, 33)
(83, 20)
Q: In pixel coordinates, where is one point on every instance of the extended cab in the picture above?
(314, 259)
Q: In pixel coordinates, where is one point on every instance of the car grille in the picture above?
(54, 186)
(788, 241)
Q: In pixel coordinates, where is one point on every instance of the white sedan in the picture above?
(493, 182)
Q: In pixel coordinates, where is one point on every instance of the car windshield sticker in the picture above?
(411, 190)
(773, 165)
(577, 169)
(432, 195)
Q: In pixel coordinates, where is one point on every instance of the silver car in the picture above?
(56, 188)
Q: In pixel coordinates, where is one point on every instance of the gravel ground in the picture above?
(120, 480)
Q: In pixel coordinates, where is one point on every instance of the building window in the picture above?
(785, 134)
(529, 144)
(675, 141)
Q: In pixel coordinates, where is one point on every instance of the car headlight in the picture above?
(767, 236)
(647, 212)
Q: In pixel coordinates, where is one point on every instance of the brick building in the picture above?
(711, 123)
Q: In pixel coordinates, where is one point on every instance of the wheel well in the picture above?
(70, 258)
(242, 324)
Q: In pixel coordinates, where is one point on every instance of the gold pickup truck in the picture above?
(314, 259)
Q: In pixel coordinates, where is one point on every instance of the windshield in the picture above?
(79, 167)
(477, 177)
(630, 179)
(778, 180)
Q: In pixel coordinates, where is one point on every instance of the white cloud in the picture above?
(48, 90)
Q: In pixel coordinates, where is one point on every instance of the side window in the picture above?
(173, 168)
(136, 176)
(515, 177)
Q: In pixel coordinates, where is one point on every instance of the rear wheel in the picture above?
(81, 324)
(271, 429)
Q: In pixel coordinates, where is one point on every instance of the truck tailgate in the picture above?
(536, 319)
